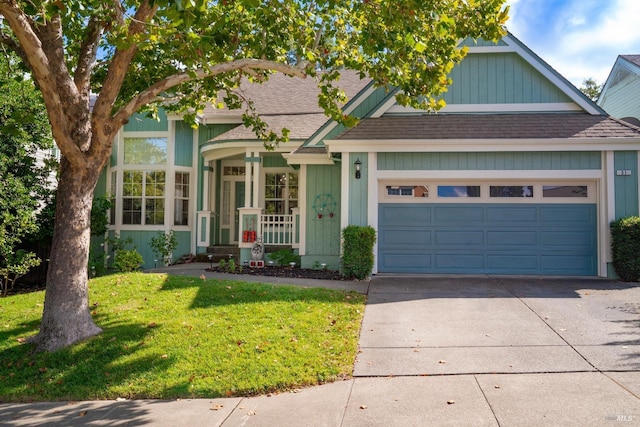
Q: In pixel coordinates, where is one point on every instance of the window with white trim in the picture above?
(145, 151)
(143, 197)
(181, 199)
(281, 192)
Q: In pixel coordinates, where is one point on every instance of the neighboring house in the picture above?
(621, 92)
(519, 174)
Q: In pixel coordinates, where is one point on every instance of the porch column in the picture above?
(256, 178)
(247, 180)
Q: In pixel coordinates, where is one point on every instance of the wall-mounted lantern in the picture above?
(358, 165)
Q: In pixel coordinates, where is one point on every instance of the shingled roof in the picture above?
(491, 126)
(634, 59)
(284, 101)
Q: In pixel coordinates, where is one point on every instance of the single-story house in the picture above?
(520, 173)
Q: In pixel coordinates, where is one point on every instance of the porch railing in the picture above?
(277, 229)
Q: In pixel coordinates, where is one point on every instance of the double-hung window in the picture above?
(281, 192)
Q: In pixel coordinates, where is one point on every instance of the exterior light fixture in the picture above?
(358, 165)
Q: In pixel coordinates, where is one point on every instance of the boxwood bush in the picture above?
(357, 255)
(625, 248)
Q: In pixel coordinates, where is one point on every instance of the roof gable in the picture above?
(504, 77)
(620, 93)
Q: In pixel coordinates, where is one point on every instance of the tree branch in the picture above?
(151, 94)
(121, 61)
(87, 54)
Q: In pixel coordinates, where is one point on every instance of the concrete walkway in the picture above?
(498, 351)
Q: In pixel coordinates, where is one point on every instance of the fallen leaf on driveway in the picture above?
(450, 402)
(363, 406)
(442, 362)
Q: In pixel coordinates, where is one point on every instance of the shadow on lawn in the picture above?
(85, 371)
(213, 292)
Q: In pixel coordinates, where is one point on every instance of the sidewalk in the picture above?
(439, 351)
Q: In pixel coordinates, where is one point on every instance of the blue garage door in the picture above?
(546, 239)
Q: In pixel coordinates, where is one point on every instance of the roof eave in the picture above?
(482, 145)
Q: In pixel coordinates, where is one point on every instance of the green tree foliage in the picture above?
(137, 55)
(591, 88)
(24, 129)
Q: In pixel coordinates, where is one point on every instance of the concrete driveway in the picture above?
(511, 351)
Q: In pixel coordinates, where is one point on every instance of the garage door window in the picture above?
(565, 191)
(408, 190)
(509, 191)
(458, 191)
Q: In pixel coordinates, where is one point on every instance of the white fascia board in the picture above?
(317, 139)
(491, 108)
(233, 148)
(308, 159)
(390, 104)
(397, 175)
(481, 145)
(490, 49)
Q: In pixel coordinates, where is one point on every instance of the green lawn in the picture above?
(170, 337)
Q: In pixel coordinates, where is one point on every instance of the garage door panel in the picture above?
(416, 262)
(570, 240)
(400, 216)
(523, 214)
(566, 264)
(401, 239)
(446, 214)
(459, 262)
(512, 239)
(522, 263)
(459, 238)
(488, 238)
(568, 214)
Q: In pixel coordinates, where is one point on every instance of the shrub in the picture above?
(163, 245)
(357, 255)
(127, 260)
(625, 247)
(285, 257)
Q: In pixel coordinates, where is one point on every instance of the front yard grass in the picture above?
(177, 337)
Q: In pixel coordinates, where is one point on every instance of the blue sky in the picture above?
(579, 38)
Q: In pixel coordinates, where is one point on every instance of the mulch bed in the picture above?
(281, 271)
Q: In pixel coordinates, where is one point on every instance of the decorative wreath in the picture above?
(324, 204)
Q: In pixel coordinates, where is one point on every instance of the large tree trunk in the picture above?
(66, 317)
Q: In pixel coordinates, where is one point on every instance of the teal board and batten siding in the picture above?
(141, 241)
(488, 239)
(142, 123)
(322, 234)
(626, 186)
(358, 190)
(621, 99)
(183, 151)
(500, 78)
(490, 161)
(365, 107)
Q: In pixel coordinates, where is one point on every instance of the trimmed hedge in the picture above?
(357, 255)
(625, 248)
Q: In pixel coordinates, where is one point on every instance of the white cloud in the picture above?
(579, 38)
